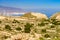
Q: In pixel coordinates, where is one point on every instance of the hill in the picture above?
(35, 15)
(56, 16)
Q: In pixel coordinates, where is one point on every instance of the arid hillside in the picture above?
(29, 26)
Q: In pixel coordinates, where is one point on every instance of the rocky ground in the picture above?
(29, 29)
(17, 28)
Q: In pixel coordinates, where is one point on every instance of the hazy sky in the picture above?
(31, 4)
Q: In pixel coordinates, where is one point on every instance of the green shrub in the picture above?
(27, 28)
(5, 37)
(8, 27)
(46, 35)
(18, 29)
(15, 21)
(0, 22)
(52, 26)
(42, 24)
(43, 30)
(55, 22)
(41, 38)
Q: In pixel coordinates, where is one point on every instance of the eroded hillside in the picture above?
(23, 28)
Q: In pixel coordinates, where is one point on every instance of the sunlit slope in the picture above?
(23, 28)
(35, 15)
(56, 16)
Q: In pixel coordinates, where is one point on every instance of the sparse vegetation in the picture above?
(41, 38)
(43, 30)
(30, 29)
(18, 29)
(7, 27)
(5, 37)
(27, 28)
(0, 22)
(46, 35)
(15, 21)
(52, 26)
(41, 24)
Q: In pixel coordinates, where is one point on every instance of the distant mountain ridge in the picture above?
(9, 10)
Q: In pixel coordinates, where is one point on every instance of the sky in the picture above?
(31, 4)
